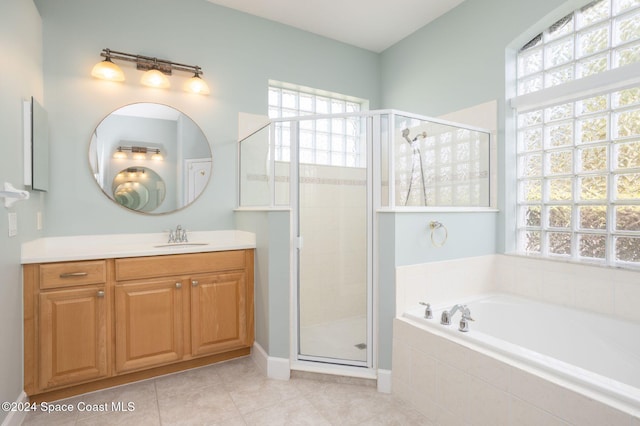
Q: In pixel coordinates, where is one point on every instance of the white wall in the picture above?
(20, 78)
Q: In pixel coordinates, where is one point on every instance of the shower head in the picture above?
(405, 134)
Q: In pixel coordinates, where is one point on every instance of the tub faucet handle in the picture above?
(464, 322)
(428, 313)
(445, 318)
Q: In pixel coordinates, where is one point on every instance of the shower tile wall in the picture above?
(439, 282)
(603, 290)
(334, 227)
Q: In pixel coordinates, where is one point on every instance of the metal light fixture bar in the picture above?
(139, 150)
(143, 149)
(135, 170)
(145, 63)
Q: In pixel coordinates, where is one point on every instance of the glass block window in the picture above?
(601, 36)
(333, 141)
(578, 161)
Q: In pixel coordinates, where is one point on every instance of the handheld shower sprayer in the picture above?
(416, 152)
(405, 134)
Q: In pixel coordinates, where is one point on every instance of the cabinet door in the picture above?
(72, 335)
(218, 313)
(148, 324)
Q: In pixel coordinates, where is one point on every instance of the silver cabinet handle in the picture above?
(100, 293)
(74, 274)
(178, 285)
(194, 283)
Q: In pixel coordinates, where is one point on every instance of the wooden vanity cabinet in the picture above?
(73, 336)
(219, 316)
(66, 324)
(148, 324)
(205, 307)
(93, 324)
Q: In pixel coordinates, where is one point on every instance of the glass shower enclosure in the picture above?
(334, 172)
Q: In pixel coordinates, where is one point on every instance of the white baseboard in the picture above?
(15, 418)
(272, 367)
(384, 381)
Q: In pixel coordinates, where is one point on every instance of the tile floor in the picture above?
(237, 393)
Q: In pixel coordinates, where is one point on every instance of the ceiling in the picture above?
(370, 24)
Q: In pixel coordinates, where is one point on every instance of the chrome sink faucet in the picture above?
(178, 236)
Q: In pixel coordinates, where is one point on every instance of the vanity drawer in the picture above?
(182, 264)
(68, 274)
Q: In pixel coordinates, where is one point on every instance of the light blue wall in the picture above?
(20, 78)
(386, 287)
(238, 53)
(272, 282)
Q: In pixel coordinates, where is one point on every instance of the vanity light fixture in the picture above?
(138, 153)
(106, 69)
(155, 78)
(196, 84)
(120, 154)
(156, 71)
(135, 170)
(157, 156)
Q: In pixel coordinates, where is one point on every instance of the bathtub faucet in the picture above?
(464, 322)
(428, 313)
(445, 319)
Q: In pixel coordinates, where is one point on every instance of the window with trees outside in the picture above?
(334, 142)
(578, 137)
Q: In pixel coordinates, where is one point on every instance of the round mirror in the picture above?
(150, 158)
(139, 188)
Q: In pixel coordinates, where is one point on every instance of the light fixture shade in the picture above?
(107, 70)
(139, 156)
(120, 154)
(155, 78)
(157, 156)
(196, 85)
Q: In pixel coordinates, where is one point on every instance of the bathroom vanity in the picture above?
(96, 315)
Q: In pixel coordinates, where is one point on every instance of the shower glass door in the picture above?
(334, 226)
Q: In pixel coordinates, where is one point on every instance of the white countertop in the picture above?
(86, 247)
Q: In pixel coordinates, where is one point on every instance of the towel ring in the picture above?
(435, 225)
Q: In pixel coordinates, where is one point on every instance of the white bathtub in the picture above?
(590, 351)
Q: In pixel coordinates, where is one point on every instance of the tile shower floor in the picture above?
(236, 393)
(338, 339)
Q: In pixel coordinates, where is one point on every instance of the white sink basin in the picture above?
(180, 245)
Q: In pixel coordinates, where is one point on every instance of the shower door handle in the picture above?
(299, 242)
